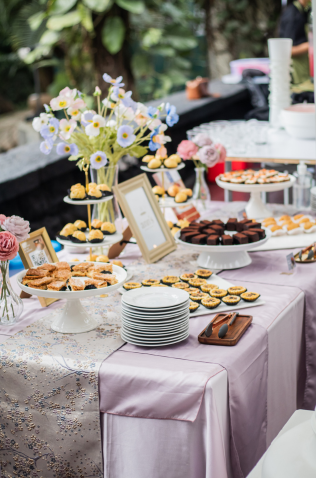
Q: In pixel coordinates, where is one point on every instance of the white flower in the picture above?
(109, 104)
(60, 103)
(162, 139)
(67, 128)
(153, 124)
(40, 121)
(75, 113)
(141, 109)
(162, 127)
(124, 112)
(111, 124)
(93, 129)
(68, 93)
(161, 107)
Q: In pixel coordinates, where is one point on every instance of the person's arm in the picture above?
(300, 49)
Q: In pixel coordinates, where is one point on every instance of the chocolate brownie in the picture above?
(209, 231)
(252, 236)
(227, 240)
(240, 238)
(219, 229)
(205, 222)
(199, 239)
(219, 222)
(212, 240)
(255, 225)
(261, 232)
(188, 236)
(241, 225)
(231, 224)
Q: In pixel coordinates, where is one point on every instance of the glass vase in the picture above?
(11, 306)
(200, 188)
(107, 211)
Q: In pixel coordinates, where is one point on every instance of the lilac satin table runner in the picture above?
(151, 383)
(268, 268)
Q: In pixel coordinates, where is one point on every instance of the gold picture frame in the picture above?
(35, 251)
(145, 218)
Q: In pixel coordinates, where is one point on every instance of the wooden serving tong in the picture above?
(209, 329)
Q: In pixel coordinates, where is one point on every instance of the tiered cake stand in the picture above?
(255, 208)
(73, 318)
(223, 257)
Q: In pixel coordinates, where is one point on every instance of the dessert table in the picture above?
(195, 411)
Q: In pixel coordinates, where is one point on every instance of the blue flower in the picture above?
(123, 96)
(65, 148)
(172, 117)
(46, 146)
(125, 136)
(153, 143)
(114, 82)
(153, 112)
(50, 130)
(98, 160)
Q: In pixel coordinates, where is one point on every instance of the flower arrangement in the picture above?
(202, 151)
(13, 230)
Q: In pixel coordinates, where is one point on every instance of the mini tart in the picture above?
(193, 290)
(150, 282)
(231, 299)
(208, 287)
(197, 282)
(78, 236)
(96, 224)
(159, 285)
(169, 280)
(203, 273)
(132, 285)
(95, 236)
(219, 293)
(211, 302)
(187, 277)
(108, 228)
(80, 225)
(250, 296)
(198, 296)
(236, 290)
(181, 285)
(193, 306)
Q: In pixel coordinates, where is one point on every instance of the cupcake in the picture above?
(80, 225)
(108, 228)
(78, 237)
(95, 236)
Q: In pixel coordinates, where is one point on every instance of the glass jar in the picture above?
(11, 305)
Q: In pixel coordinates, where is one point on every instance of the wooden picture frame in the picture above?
(35, 251)
(145, 218)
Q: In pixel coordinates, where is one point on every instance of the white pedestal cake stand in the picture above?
(223, 257)
(255, 208)
(107, 241)
(73, 318)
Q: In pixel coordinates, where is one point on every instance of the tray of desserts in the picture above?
(225, 329)
(71, 279)
(94, 194)
(237, 182)
(251, 177)
(207, 291)
(77, 234)
(156, 164)
(173, 197)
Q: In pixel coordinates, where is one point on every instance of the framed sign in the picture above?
(145, 218)
(35, 251)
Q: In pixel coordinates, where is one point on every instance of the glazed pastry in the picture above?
(158, 190)
(181, 197)
(170, 163)
(203, 273)
(250, 296)
(173, 190)
(181, 285)
(296, 218)
(80, 225)
(104, 188)
(68, 230)
(231, 299)
(150, 282)
(102, 258)
(131, 285)
(176, 157)
(94, 192)
(78, 236)
(210, 302)
(40, 283)
(95, 236)
(57, 286)
(236, 290)
(108, 228)
(208, 287)
(77, 192)
(219, 293)
(154, 164)
(187, 191)
(193, 306)
(187, 277)
(197, 282)
(76, 285)
(96, 224)
(169, 280)
(198, 296)
(148, 158)
(117, 263)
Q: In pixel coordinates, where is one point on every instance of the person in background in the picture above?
(294, 24)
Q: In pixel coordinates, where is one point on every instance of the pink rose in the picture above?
(187, 149)
(17, 226)
(221, 151)
(202, 139)
(209, 156)
(2, 218)
(9, 246)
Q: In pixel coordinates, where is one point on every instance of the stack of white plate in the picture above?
(313, 199)
(153, 317)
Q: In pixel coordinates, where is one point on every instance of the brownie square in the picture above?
(252, 236)
(194, 224)
(212, 240)
(188, 236)
(261, 232)
(205, 222)
(231, 224)
(255, 225)
(209, 231)
(219, 222)
(227, 240)
(218, 229)
(199, 239)
(240, 238)
(242, 225)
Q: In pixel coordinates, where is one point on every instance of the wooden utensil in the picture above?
(235, 332)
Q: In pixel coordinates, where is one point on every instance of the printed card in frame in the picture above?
(145, 218)
(35, 251)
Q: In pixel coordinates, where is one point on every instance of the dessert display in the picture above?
(249, 176)
(298, 224)
(157, 162)
(60, 277)
(78, 192)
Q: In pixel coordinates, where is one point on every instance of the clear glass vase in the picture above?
(107, 211)
(200, 188)
(11, 306)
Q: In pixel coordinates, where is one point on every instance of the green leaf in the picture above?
(113, 34)
(133, 6)
(98, 5)
(49, 38)
(59, 22)
(74, 158)
(35, 20)
(163, 51)
(180, 42)
(138, 151)
(152, 37)
(86, 17)
(61, 6)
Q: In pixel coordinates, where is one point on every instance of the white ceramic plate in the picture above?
(251, 188)
(87, 201)
(159, 170)
(153, 344)
(170, 202)
(153, 327)
(107, 241)
(145, 313)
(153, 323)
(155, 298)
(149, 335)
